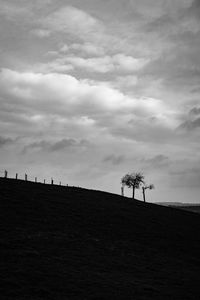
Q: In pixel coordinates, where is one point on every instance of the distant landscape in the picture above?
(72, 243)
(194, 207)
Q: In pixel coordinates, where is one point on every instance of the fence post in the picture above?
(51, 180)
(16, 176)
(35, 179)
(44, 181)
(6, 174)
(60, 182)
(26, 177)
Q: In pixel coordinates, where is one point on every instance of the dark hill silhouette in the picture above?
(72, 243)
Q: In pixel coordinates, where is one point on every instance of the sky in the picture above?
(91, 90)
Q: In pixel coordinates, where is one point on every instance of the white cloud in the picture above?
(71, 20)
(88, 48)
(100, 65)
(104, 64)
(65, 48)
(128, 63)
(85, 48)
(41, 33)
(59, 65)
(90, 104)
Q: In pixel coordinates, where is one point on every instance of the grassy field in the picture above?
(71, 243)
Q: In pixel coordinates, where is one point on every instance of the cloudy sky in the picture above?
(91, 90)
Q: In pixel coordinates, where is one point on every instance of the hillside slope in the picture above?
(69, 243)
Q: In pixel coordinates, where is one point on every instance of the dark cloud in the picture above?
(178, 71)
(68, 143)
(36, 146)
(158, 161)
(114, 159)
(162, 23)
(195, 8)
(190, 124)
(192, 120)
(178, 64)
(195, 111)
(5, 141)
(57, 146)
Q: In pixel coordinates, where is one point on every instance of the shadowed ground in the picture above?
(71, 243)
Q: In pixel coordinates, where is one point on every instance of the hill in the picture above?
(72, 243)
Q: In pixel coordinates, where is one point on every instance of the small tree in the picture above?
(151, 186)
(133, 180)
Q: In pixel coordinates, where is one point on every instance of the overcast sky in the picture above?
(91, 90)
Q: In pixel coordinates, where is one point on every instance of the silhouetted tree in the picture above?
(151, 186)
(133, 180)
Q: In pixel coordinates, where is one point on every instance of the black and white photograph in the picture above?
(100, 149)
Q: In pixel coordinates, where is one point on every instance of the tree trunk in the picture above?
(143, 190)
(133, 192)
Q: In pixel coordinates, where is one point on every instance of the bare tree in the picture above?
(133, 180)
(144, 188)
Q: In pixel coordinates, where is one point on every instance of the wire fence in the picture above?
(25, 177)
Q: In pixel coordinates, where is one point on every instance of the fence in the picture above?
(4, 174)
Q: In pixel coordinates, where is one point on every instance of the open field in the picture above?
(70, 243)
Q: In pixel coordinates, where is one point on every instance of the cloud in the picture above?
(5, 141)
(49, 146)
(192, 121)
(195, 9)
(71, 20)
(157, 161)
(175, 64)
(56, 92)
(145, 131)
(41, 33)
(85, 48)
(11, 11)
(195, 111)
(120, 63)
(43, 99)
(36, 89)
(69, 143)
(100, 65)
(155, 9)
(114, 159)
(190, 124)
(128, 81)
